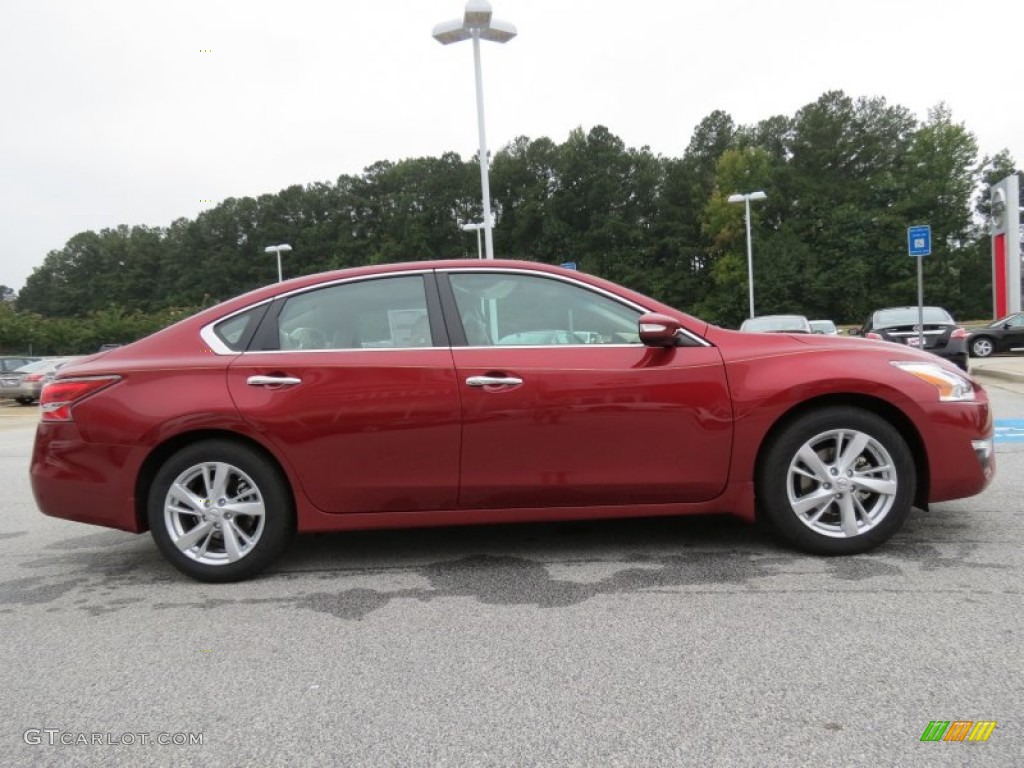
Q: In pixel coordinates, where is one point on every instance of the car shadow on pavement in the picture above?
(547, 565)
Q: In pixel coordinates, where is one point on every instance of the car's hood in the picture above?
(736, 345)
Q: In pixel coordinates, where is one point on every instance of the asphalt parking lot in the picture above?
(640, 643)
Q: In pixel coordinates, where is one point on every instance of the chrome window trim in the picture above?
(337, 350)
(638, 345)
(218, 347)
(213, 341)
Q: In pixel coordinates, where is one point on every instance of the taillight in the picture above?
(33, 377)
(959, 333)
(872, 335)
(58, 397)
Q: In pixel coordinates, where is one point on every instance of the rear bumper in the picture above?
(84, 482)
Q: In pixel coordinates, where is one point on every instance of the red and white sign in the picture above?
(1006, 246)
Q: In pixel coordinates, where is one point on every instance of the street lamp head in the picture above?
(452, 31)
(739, 198)
(478, 14)
(477, 21)
(498, 31)
(283, 248)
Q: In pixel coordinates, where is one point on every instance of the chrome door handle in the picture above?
(494, 381)
(272, 381)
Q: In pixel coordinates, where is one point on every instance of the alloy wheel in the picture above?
(982, 347)
(842, 483)
(214, 513)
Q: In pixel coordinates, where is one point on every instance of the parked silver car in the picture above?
(776, 324)
(10, 380)
(824, 327)
(25, 384)
(9, 363)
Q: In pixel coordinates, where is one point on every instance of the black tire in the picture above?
(224, 539)
(25, 400)
(982, 346)
(791, 493)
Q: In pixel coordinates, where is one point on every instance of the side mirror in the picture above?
(657, 330)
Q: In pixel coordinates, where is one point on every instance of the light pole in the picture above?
(476, 25)
(278, 249)
(745, 199)
(477, 227)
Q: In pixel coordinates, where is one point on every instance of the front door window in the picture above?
(508, 309)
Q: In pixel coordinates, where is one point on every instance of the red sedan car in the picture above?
(449, 392)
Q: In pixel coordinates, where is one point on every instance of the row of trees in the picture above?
(29, 333)
(844, 179)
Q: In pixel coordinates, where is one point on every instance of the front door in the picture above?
(563, 406)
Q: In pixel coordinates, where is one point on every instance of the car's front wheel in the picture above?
(837, 481)
(982, 347)
(220, 511)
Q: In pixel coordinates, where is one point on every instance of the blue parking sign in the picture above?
(919, 240)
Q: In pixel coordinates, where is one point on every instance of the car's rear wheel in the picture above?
(24, 400)
(837, 481)
(220, 511)
(982, 347)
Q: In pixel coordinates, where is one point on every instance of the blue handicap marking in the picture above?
(1009, 431)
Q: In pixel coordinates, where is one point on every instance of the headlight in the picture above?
(953, 388)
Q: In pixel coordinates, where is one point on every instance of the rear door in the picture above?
(354, 384)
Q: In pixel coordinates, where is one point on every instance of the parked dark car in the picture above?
(942, 336)
(452, 392)
(1004, 335)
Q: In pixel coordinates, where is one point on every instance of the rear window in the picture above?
(37, 365)
(13, 363)
(909, 316)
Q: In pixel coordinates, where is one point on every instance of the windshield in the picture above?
(776, 323)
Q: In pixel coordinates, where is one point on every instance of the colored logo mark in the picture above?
(958, 730)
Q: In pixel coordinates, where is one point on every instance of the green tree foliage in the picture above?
(844, 179)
